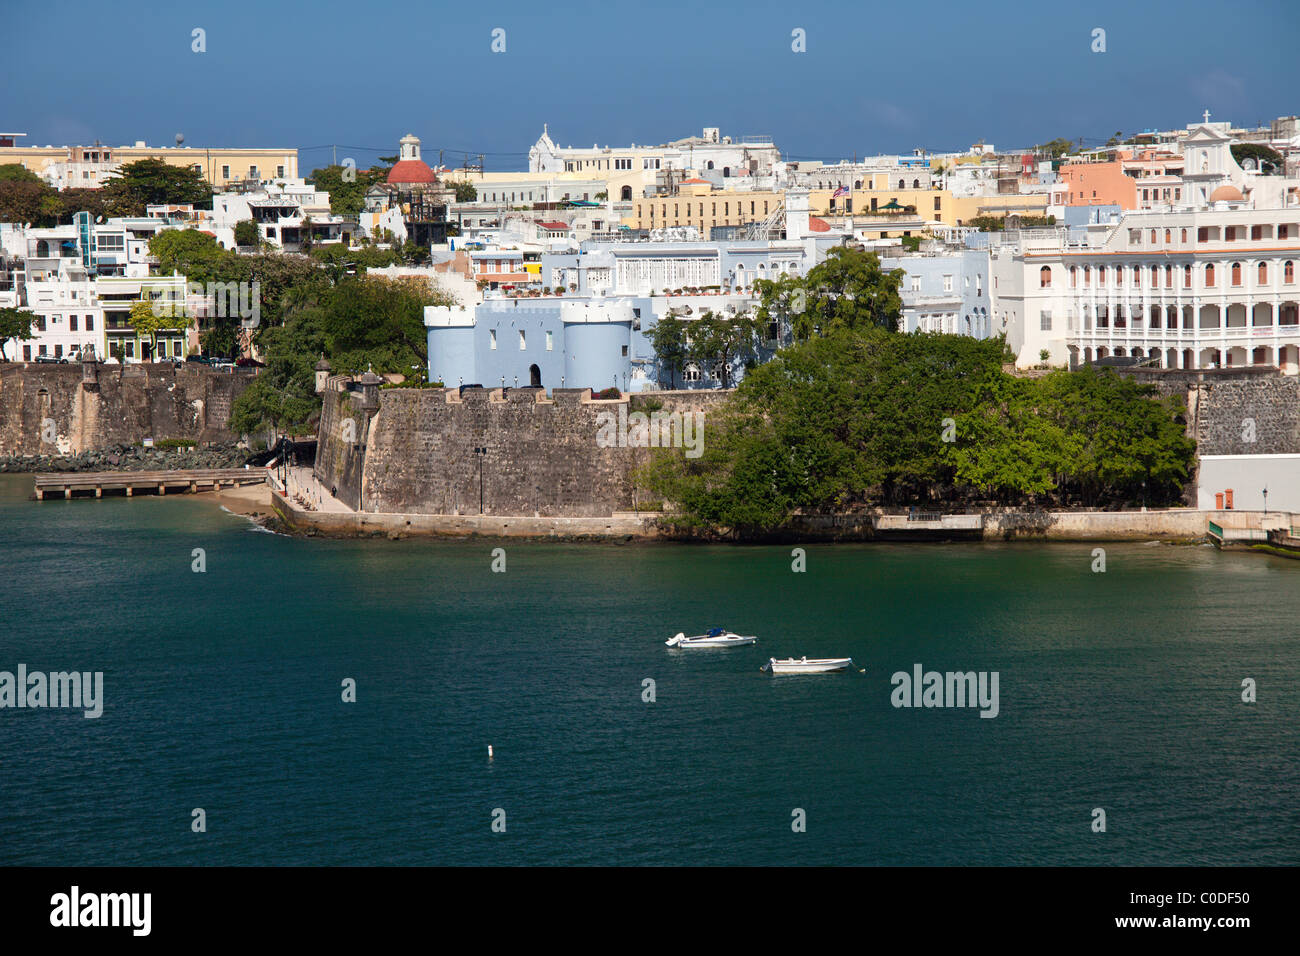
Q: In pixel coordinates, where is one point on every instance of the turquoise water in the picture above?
(1119, 690)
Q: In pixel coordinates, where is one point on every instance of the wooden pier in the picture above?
(95, 483)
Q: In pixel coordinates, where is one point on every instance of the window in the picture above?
(1045, 277)
(1203, 234)
(1236, 273)
(72, 323)
(1284, 231)
(1074, 276)
(252, 172)
(916, 284)
(1169, 277)
(938, 201)
(1187, 277)
(27, 353)
(1183, 235)
(691, 373)
(1256, 232)
(90, 323)
(492, 338)
(1288, 272)
(523, 343)
(1209, 276)
(1045, 321)
(549, 342)
(947, 283)
(225, 172)
(129, 345)
(1263, 273)
(58, 351)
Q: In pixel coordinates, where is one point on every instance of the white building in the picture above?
(1207, 288)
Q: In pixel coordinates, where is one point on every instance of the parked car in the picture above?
(249, 363)
(198, 359)
(50, 360)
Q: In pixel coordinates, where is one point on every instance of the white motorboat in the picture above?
(716, 637)
(807, 665)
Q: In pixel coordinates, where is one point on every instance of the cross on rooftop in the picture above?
(1207, 116)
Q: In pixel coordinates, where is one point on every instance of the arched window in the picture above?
(1169, 277)
(1288, 272)
(902, 184)
(710, 166)
(1087, 276)
(1155, 277)
(626, 194)
(1101, 275)
(1263, 273)
(916, 184)
(1169, 236)
(1045, 277)
(1074, 276)
(1153, 237)
(726, 171)
(1209, 275)
(1187, 277)
(857, 184)
(1236, 273)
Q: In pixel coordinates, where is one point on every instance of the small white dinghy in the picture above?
(805, 665)
(716, 637)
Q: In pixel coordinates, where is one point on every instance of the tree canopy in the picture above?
(861, 418)
(149, 182)
(848, 290)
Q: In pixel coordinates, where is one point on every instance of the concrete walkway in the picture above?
(308, 493)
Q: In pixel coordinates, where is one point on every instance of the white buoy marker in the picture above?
(489, 751)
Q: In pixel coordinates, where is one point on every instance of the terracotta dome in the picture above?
(410, 168)
(411, 171)
(1226, 193)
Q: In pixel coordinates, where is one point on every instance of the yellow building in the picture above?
(698, 204)
(938, 205)
(86, 165)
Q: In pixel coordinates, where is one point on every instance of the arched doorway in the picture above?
(534, 376)
(627, 194)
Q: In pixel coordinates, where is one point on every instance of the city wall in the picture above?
(92, 406)
(417, 451)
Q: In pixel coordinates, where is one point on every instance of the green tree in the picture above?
(466, 191)
(850, 290)
(15, 324)
(148, 318)
(1267, 160)
(1055, 148)
(16, 173)
(718, 341)
(247, 234)
(149, 182)
(668, 337)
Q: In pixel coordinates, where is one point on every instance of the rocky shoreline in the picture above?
(131, 458)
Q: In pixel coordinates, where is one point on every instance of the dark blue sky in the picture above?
(939, 74)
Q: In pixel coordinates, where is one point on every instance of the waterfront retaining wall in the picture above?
(94, 406)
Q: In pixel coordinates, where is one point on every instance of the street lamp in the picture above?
(1266, 499)
(480, 452)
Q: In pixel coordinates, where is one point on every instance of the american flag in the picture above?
(842, 191)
